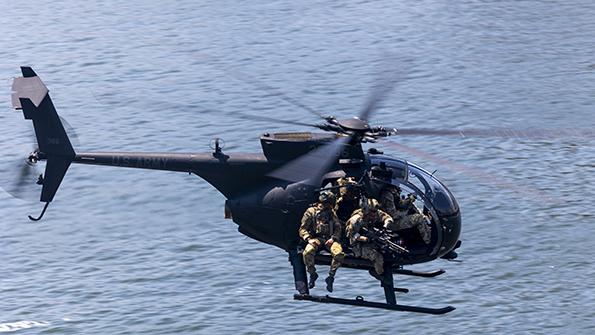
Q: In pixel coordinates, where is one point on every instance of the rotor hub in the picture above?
(33, 158)
(354, 124)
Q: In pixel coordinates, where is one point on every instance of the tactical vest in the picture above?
(323, 223)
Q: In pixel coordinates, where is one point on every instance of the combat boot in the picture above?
(313, 277)
(329, 283)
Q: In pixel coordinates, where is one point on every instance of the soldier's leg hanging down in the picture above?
(378, 263)
(338, 256)
(376, 258)
(309, 260)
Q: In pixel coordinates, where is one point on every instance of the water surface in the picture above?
(129, 251)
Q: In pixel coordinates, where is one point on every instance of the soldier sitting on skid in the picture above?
(398, 208)
(368, 216)
(321, 227)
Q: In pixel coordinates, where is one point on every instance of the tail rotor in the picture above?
(22, 177)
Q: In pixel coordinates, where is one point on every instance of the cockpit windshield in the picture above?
(421, 182)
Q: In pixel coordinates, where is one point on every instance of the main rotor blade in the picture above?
(480, 176)
(390, 76)
(312, 166)
(264, 87)
(270, 119)
(72, 136)
(501, 133)
(197, 108)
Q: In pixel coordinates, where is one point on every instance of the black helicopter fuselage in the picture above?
(267, 193)
(268, 209)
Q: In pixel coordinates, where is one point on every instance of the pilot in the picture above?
(404, 220)
(321, 228)
(349, 196)
(397, 207)
(368, 216)
(400, 208)
(376, 179)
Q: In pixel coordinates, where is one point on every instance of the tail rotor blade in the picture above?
(19, 179)
(25, 173)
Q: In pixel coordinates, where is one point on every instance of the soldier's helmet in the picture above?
(326, 197)
(349, 185)
(369, 205)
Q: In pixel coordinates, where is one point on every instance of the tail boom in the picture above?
(227, 173)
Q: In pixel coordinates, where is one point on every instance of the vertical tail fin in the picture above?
(31, 95)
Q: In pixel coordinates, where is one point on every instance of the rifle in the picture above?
(382, 239)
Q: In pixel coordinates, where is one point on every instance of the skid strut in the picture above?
(389, 285)
(299, 272)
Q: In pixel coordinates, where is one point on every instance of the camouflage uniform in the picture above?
(321, 224)
(374, 218)
(398, 208)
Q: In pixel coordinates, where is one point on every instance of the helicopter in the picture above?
(267, 193)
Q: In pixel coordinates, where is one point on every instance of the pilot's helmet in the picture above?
(381, 173)
(369, 205)
(326, 197)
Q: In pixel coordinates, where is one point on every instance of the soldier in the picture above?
(376, 179)
(368, 216)
(349, 198)
(398, 208)
(321, 227)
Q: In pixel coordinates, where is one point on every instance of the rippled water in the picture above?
(130, 251)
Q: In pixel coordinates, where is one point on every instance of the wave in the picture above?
(14, 326)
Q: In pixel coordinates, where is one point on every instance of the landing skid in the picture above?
(359, 301)
(387, 283)
(429, 274)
